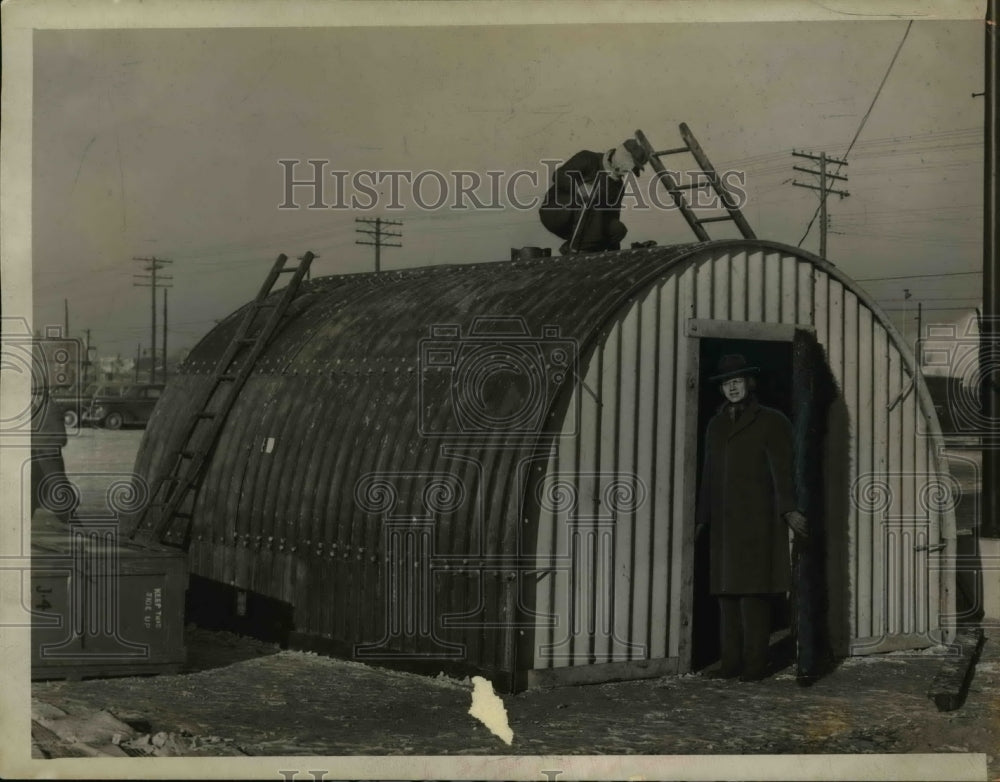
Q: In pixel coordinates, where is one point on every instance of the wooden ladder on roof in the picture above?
(712, 179)
(175, 486)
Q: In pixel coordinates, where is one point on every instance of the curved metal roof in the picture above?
(341, 400)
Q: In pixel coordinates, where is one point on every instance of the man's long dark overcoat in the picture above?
(747, 485)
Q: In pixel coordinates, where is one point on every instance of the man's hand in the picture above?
(797, 522)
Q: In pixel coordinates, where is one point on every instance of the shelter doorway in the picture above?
(774, 389)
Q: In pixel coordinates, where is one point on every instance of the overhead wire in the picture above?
(864, 121)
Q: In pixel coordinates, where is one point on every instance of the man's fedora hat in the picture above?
(638, 153)
(732, 365)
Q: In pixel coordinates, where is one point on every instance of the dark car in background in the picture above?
(74, 403)
(132, 407)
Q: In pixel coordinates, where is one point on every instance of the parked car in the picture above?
(133, 406)
(74, 403)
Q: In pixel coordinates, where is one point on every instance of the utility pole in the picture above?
(906, 312)
(66, 318)
(989, 331)
(824, 189)
(138, 355)
(154, 265)
(920, 330)
(86, 360)
(378, 233)
(165, 334)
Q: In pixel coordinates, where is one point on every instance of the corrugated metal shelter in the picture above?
(493, 467)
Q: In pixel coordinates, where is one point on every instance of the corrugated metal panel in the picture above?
(662, 491)
(336, 400)
(889, 579)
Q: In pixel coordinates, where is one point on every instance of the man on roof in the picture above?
(591, 184)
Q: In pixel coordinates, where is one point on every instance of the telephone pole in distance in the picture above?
(155, 281)
(377, 234)
(824, 188)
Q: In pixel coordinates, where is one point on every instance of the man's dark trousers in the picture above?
(746, 635)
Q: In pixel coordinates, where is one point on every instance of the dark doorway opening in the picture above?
(774, 389)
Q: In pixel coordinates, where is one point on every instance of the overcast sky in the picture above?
(166, 142)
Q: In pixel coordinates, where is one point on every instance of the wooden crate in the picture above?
(102, 606)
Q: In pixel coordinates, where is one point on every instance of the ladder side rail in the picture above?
(184, 476)
(253, 309)
(713, 177)
(664, 176)
(172, 462)
(235, 344)
(192, 470)
(272, 277)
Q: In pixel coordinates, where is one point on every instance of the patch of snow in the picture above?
(488, 708)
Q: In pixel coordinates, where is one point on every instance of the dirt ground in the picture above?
(244, 697)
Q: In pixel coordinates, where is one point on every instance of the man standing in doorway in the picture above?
(747, 502)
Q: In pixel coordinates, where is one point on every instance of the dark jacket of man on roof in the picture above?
(573, 189)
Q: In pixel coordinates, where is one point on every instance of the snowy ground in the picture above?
(243, 697)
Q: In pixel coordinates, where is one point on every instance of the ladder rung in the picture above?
(674, 151)
(719, 219)
(289, 270)
(694, 185)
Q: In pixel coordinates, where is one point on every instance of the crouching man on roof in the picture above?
(747, 502)
(591, 183)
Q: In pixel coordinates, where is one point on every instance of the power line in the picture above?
(914, 276)
(940, 298)
(864, 120)
(970, 308)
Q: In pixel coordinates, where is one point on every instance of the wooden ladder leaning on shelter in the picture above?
(174, 487)
(711, 179)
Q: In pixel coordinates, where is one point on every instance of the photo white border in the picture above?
(19, 19)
